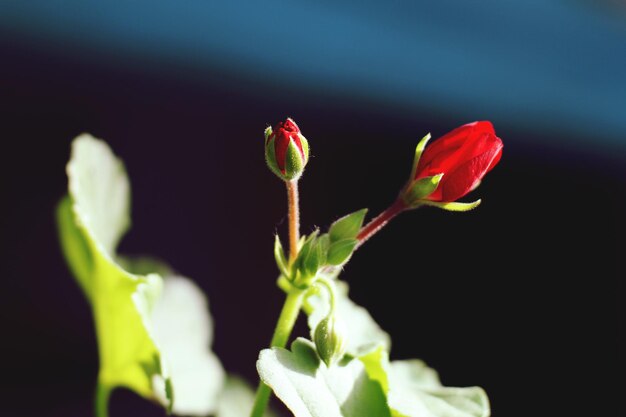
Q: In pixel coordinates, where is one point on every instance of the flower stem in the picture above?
(284, 326)
(380, 221)
(293, 302)
(103, 392)
(294, 218)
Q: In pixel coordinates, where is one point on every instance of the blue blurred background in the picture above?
(555, 65)
(524, 296)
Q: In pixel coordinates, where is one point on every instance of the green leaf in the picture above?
(100, 191)
(422, 188)
(75, 247)
(361, 332)
(347, 227)
(121, 302)
(236, 399)
(311, 389)
(453, 206)
(414, 390)
(135, 345)
(341, 250)
(373, 365)
(122, 305)
(279, 256)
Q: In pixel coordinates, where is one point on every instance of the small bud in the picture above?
(286, 150)
(329, 341)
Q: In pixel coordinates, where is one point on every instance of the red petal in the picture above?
(443, 147)
(464, 178)
(496, 159)
(281, 143)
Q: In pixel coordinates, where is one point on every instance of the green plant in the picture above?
(154, 329)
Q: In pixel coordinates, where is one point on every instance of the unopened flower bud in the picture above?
(452, 166)
(286, 150)
(329, 341)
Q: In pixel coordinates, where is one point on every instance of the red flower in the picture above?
(282, 135)
(463, 156)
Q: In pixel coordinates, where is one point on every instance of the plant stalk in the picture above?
(103, 393)
(380, 221)
(284, 326)
(293, 302)
(294, 218)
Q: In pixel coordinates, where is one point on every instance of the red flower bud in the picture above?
(286, 150)
(463, 156)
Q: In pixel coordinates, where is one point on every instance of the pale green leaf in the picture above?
(121, 302)
(362, 333)
(311, 389)
(75, 246)
(100, 191)
(414, 390)
(129, 308)
(183, 329)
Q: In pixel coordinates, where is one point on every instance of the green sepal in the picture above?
(340, 251)
(420, 189)
(270, 159)
(305, 147)
(301, 242)
(279, 256)
(418, 154)
(323, 242)
(307, 258)
(348, 226)
(294, 163)
(316, 258)
(268, 132)
(453, 206)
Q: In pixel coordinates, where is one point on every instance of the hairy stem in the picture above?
(380, 221)
(293, 302)
(294, 218)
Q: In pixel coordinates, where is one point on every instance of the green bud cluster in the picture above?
(317, 250)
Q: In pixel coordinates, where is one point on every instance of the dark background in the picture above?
(523, 296)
